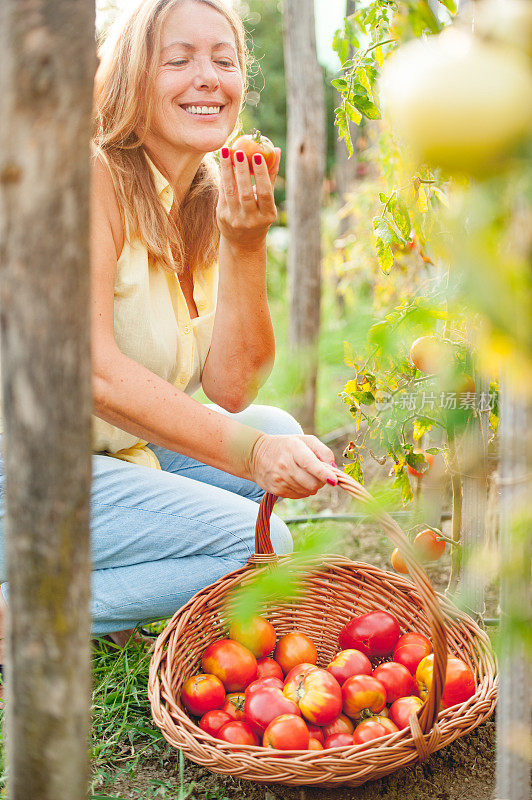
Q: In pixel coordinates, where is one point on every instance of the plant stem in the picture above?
(456, 529)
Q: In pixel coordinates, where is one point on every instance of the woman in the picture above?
(178, 300)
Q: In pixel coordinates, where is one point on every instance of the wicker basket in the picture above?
(336, 589)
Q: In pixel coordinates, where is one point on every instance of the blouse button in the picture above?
(182, 379)
(186, 329)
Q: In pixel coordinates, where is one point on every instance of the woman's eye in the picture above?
(225, 63)
(178, 62)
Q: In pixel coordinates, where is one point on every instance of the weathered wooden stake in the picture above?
(514, 717)
(47, 61)
(304, 176)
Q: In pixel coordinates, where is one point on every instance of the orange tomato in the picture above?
(253, 143)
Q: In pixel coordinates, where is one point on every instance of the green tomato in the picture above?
(460, 103)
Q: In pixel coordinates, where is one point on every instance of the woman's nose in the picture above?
(206, 76)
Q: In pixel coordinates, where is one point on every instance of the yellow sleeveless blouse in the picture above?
(153, 327)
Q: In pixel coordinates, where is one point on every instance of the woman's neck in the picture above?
(178, 168)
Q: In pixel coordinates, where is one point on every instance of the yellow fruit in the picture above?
(459, 102)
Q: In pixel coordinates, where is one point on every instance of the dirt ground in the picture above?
(464, 770)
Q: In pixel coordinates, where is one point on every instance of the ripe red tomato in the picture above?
(363, 696)
(410, 649)
(295, 676)
(314, 744)
(338, 740)
(265, 704)
(375, 634)
(347, 663)
(428, 546)
(430, 355)
(261, 682)
(268, 668)
(396, 679)
(398, 562)
(341, 724)
(234, 705)
(293, 649)
(315, 732)
(258, 635)
(459, 680)
(429, 458)
(212, 721)
(318, 695)
(202, 693)
(253, 143)
(231, 662)
(370, 729)
(237, 732)
(402, 708)
(286, 732)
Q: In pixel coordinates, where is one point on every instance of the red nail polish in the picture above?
(239, 156)
(331, 482)
(225, 152)
(257, 158)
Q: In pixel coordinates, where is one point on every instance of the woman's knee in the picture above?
(271, 420)
(280, 536)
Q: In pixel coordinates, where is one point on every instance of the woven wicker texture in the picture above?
(335, 590)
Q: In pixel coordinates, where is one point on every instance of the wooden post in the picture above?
(474, 465)
(305, 171)
(47, 61)
(514, 721)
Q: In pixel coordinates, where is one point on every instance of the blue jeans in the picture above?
(157, 537)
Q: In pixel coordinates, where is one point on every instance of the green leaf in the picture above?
(340, 84)
(342, 124)
(354, 115)
(382, 231)
(401, 216)
(366, 106)
(355, 470)
(450, 5)
(403, 484)
(417, 461)
(433, 450)
(385, 257)
(421, 425)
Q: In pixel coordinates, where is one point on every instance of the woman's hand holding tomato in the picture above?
(246, 212)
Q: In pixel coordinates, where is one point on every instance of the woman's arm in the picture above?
(243, 346)
(133, 398)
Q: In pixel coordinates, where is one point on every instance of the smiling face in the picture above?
(199, 85)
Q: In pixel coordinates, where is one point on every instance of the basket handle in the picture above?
(264, 552)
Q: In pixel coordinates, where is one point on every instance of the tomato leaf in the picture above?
(342, 124)
(401, 216)
(355, 470)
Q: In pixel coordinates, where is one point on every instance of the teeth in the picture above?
(203, 109)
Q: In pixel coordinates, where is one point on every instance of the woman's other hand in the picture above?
(246, 211)
(291, 466)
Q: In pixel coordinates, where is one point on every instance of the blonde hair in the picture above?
(123, 106)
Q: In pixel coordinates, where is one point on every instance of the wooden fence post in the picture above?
(305, 170)
(514, 719)
(47, 61)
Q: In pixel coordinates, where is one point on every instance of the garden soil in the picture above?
(464, 770)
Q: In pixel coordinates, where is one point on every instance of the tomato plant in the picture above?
(429, 545)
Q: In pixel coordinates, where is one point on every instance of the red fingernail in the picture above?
(257, 158)
(331, 482)
(240, 156)
(225, 152)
